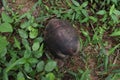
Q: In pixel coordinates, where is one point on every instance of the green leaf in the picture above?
(116, 12)
(20, 76)
(114, 18)
(17, 43)
(85, 13)
(75, 3)
(32, 60)
(27, 68)
(50, 76)
(85, 4)
(40, 66)
(6, 27)
(6, 18)
(3, 44)
(24, 25)
(33, 32)
(27, 53)
(111, 51)
(101, 12)
(17, 62)
(116, 33)
(93, 19)
(112, 9)
(3, 53)
(85, 75)
(22, 33)
(35, 46)
(39, 53)
(50, 66)
(26, 44)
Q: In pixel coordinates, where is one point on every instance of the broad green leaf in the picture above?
(17, 62)
(24, 25)
(3, 44)
(33, 32)
(115, 1)
(94, 19)
(35, 46)
(116, 33)
(50, 76)
(50, 66)
(85, 4)
(75, 3)
(117, 12)
(6, 27)
(5, 75)
(27, 53)
(17, 43)
(85, 13)
(39, 53)
(3, 52)
(22, 33)
(40, 66)
(34, 24)
(6, 18)
(114, 18)
(27, 68)
(20, 76)
(26, 44)
(112, 9)
(101, 12)
(32, 60)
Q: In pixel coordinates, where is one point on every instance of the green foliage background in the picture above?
(22, 42)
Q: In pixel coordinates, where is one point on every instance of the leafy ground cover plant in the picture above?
(23, 55)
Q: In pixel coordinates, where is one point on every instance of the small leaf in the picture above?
(33, 32)
(112, 9)
(27, 53)
(26, 44)
(50, 76)
(17, 62)
(101, 12)
(27, 67)
(116, 12)
(85, 75)
(75, 3)
(85, 13)
(24, 25)
(40, 66)
(32, 60)
(6, 27)
(50, 66)
(35, 46)
(6, 18)
(23, 33)
(3, 52)
(114, 18)
(93, 19)
(115, 33)
(3, 44)
(85, 4)
(20, 76)
(39, 53)
(17, 43)
(111, 51)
